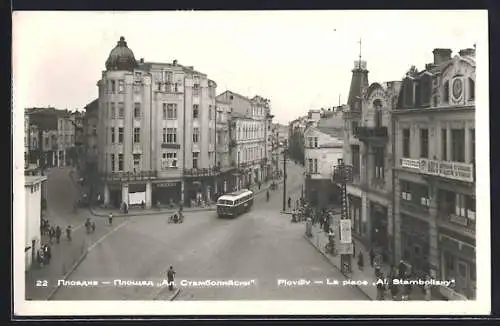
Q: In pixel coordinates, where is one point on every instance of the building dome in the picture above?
(121, 57)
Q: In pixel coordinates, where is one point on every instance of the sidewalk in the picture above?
(40, 283)
(319, 240)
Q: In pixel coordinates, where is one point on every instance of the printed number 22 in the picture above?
(43, 283)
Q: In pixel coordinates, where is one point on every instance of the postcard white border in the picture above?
(137, 308)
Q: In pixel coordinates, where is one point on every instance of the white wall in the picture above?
(327, 156)
(33, 209)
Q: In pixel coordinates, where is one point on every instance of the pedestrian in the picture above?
(93, 226)
(39, 257)
(143, 205)
(372, 256)
(361, 262)
(110, 219)
(68, 233)
(47, 254)
(260, 184)
(52, 233)
(170, 278)
(58, 234)
(289, 202)
(401, 269)
(297, 203)
(427, 289)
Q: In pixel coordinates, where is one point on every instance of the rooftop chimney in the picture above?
(142, 60)
(469, 52)
(441, 55)
(175, 62)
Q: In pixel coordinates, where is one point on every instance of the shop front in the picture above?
(115, 195)
(458, 263)
(379, 228)
(415, 243)
(166, 193)
(355, 215)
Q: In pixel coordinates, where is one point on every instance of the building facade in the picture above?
(223, 151)
(368, 149)
(33, 210)
(156, 132)
(323, 146)
(434, 171)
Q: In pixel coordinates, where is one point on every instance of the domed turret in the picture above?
(121, 57)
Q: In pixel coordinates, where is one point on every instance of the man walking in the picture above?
(170, 278)
(110, 219)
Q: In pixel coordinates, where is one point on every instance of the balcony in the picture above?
(458, 224)
(130, 176)
(415, 208)
(367, 134)
(445, 169)
(196, 173)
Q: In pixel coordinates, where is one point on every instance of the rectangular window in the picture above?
(112, 162)
(355, 159)
(458, 145)
(172, 159)
(315, 165)
(196, 135)
(171, 111)
(316, 142)
(195, 160)
(444, 144)
(120, 135)
(379, 162)
(164, 111)
(406, 142)
(209, 112)
(424, 143)
(137, 161)
(113, 110)
(172, 135)
(121, 86)
(137, 135)
(164, 135)
(405, 190)
(195, 111)
(310, 141)
(121, 110)
(113, 86)
(311, 165)
(112, 135)
(137, 110)
(120, 162)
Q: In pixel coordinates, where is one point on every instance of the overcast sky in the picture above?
(300, 60)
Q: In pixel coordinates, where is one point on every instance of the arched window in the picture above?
(446, 91)
(472, 89)
(377, 105)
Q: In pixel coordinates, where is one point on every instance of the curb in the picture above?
(336, 267)
(68, 274)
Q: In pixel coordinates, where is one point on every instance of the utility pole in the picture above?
(284, 180)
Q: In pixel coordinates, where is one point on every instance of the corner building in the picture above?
(156, 132)
(434, 171)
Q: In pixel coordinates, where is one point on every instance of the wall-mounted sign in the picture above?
(452, 170)
(166, 184)
(345, 231)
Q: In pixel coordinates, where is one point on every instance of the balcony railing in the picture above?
(370, 133)
(458, 224)
(131, 176)
(193, 173)
(445, 169)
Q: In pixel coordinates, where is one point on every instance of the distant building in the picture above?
(33, 206)
(56, 136)
(223, 151)
(435, 203)
(323, 141)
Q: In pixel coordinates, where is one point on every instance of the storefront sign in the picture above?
(345, 231)
(410, 163)
(165, 185)
(452, 170)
